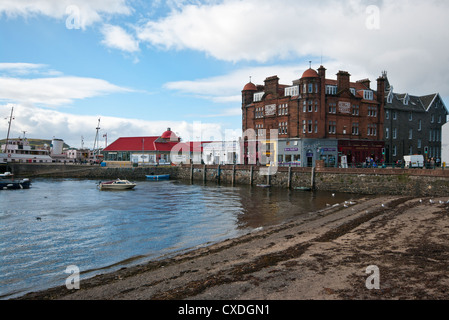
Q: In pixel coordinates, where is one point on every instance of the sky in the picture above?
(143, 66)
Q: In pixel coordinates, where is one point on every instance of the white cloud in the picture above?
(46, 123)
(410, 42)
(84, 12)
(55, 91)
(116, 37)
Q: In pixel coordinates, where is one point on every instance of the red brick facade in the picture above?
(314, 107)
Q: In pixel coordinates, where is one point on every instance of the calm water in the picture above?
(101, 231)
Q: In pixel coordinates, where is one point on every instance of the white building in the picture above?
(445, 144)
(223, 152)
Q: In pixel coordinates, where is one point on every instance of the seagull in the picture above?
(345, 205)
(431, 201)
(383, 206)
(441, 202)
(351, 202)
(420, 200)
(333, 194)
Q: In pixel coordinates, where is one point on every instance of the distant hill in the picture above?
(36, 143)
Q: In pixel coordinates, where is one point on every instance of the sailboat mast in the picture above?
(96, 150)
(9, 129)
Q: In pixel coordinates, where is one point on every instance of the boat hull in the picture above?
(14, 185)
(158, 177)
(116, 185)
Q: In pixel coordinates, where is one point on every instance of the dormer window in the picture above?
(258, 96)
(332, 90)
(352, 91)
(368, 95)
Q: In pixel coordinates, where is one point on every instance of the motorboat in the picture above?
(118, 184)
(158, 177)
(7, 182)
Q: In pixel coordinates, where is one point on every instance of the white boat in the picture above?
(116, 185)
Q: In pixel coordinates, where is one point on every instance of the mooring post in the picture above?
(251, 176)
(204, 173)
(312, 182)
(289, 182)
(191, 172)
(233, 175)
(218, 173)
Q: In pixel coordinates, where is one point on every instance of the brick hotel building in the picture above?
(316, 118)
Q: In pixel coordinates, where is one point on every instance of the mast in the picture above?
(96, 149)
(9, 128)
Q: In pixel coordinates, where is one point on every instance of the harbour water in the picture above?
(63, 222)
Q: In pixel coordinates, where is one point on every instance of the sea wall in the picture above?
(412, 182)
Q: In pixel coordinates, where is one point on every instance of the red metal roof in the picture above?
(310, 73)
(153, 144)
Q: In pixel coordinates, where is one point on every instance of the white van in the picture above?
(416, 161)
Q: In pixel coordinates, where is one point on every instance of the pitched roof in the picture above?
(143, 144)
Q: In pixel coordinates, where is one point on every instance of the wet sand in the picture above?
(324, 256)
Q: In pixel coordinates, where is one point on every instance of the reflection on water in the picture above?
(80, 225)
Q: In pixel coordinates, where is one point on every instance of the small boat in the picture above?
(7, 182)
(303, 188)
(116, 185)
(264, 186)
(158, 177)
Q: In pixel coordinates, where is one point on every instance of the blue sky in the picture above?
(143, 66)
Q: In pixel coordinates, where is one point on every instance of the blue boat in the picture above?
(158, 177)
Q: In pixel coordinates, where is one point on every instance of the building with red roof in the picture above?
(151, 150)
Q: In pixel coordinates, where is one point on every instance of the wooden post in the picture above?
(204, 173)
(218, 173)
(289, 183)
(251, 176)
(191, 172)
(233, 175)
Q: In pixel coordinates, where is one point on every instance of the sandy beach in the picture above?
(323, 256)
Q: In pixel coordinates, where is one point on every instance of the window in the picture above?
(304, 126)
(372, 111)
(387, 115)
(395, 151)
(410, 134)
(355, 110)
(283, 109)
(291, 91)
(410, 116)
(332, 127)
(410, 150)
(310, 129)
(372, 130)
(333, 108)
(260, 131)
(316, 126)
(283, 128)
(316, 105)
(310, 106)
(387, 133)
(439, 119)
(395, 116)
(368, 95)
(258, 96)
(331, 90)
(432, 119)
(390, 97)
(355, 129)
(310, 87)
(420, 125)
(419, 144)
(259, 113)
(395, 133)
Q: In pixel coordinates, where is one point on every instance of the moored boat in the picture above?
(158, 177)
(7, 182)
(116, 185)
